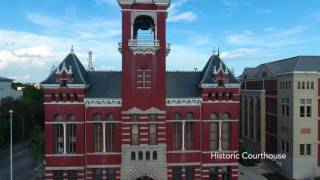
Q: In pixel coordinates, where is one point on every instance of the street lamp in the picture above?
(11, 111)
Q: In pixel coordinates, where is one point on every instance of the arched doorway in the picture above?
(144, 178)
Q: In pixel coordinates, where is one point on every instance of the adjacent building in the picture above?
(143, 122)
(280, 113)
(6, 89)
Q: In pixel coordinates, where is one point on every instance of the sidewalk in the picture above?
(253, 173)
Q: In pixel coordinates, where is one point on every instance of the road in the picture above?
(23, 164)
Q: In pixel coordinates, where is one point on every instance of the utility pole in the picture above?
(11, 111)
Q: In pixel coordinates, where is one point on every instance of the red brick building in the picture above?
(142, 122)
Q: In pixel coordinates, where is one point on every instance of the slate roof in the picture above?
(289, 65)
(107, 84)
(4, 79)
(79, 74)
(215, 61)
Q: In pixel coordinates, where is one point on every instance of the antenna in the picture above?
(214, 50)
(218, 51)
(90, 65)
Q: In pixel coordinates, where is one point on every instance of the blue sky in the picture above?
(37, 34)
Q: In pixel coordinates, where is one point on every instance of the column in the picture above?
(183, 131)
(64, 138)
(254, 118)
(104, 136)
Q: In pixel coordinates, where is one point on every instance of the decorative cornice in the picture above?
(151, 110)
(183, 101)
(227, 85)
(103, 102)
(57, 86)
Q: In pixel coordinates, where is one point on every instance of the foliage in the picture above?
(245, 162)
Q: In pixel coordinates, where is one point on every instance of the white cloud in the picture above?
(240, 53)
(239, 38)
(185, 16)
(269, 29)
(175, 14)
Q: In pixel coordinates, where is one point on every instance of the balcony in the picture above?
(144, 46)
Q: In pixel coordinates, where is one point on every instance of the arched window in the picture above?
(225, 135)
(177, 116)
(68, 97)
(75, 97)
(214, 136)
(110, 117)
(216, 96)
(60, 97)
(140, 156)
(226, 116)
(154, 155)
(71, 117)
(97, 117)
(214, 116)
(190, 116)
(144, 29)
(53, 97)
(147, 155)
(224, 97)
(133, 156)
(230, 96)
(57, 117)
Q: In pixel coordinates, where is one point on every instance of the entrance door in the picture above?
(144, 178)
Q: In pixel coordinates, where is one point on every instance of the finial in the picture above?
(71, 51)
(218, 51)
(214, 50)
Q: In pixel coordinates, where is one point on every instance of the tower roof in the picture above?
(74, 66)
(215, 66)
(156, 2)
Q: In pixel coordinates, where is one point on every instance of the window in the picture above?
(140, 156)
(153, 130)
(213, 173)
(214, 116)
(301, 149)
(299, 85)
(177, 136)
(72, 175)
(287, 147)
(111, 174)
(59, 144)
(144, 84)
(75, 96)
(135, 130)
(308, 111)
(110, 131)
(144, 29)
(230, 96)
(98, 133)
(135, 134)
(189, 135)
(216, 96)
(176, 173)
(312, 85)
(225, 135)
(147, 155)
(214, 136)
(282, 146)
(226, 116)
(53, 97)
(189, 172)
(308, 149)
(58, 175)
(308, 85)
(303, 85)
(301, 111)
(68, 97)
(154, 155)
(71, 138)
(133, 156)
(97, 174)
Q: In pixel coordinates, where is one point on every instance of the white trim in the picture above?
(64, 103)
(185, 151)
(65, 168)
(64, 122)
(227, 85)
(57, 86)
(103, 166)
(103, 153)
(63, 155)
(103, 102)
(192, 101)
(185, 164)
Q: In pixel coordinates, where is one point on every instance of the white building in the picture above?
(6, 90)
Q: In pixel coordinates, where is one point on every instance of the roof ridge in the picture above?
(295, 66)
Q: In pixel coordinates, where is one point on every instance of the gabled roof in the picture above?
(79, 73)
(289, 65)
(214, 63)
(182, 84)
(4, 79)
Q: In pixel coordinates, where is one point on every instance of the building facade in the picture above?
(142, 122)
(6, 89)
(280, 113)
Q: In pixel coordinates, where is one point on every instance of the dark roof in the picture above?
(4, 79)
(104, 84)
(289, 65)
(79, 74)
(215, 62)
(182, 84)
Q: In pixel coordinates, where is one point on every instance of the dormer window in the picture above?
(63, 83)
(220, 83)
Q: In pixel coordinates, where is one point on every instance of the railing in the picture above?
(144, 45)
